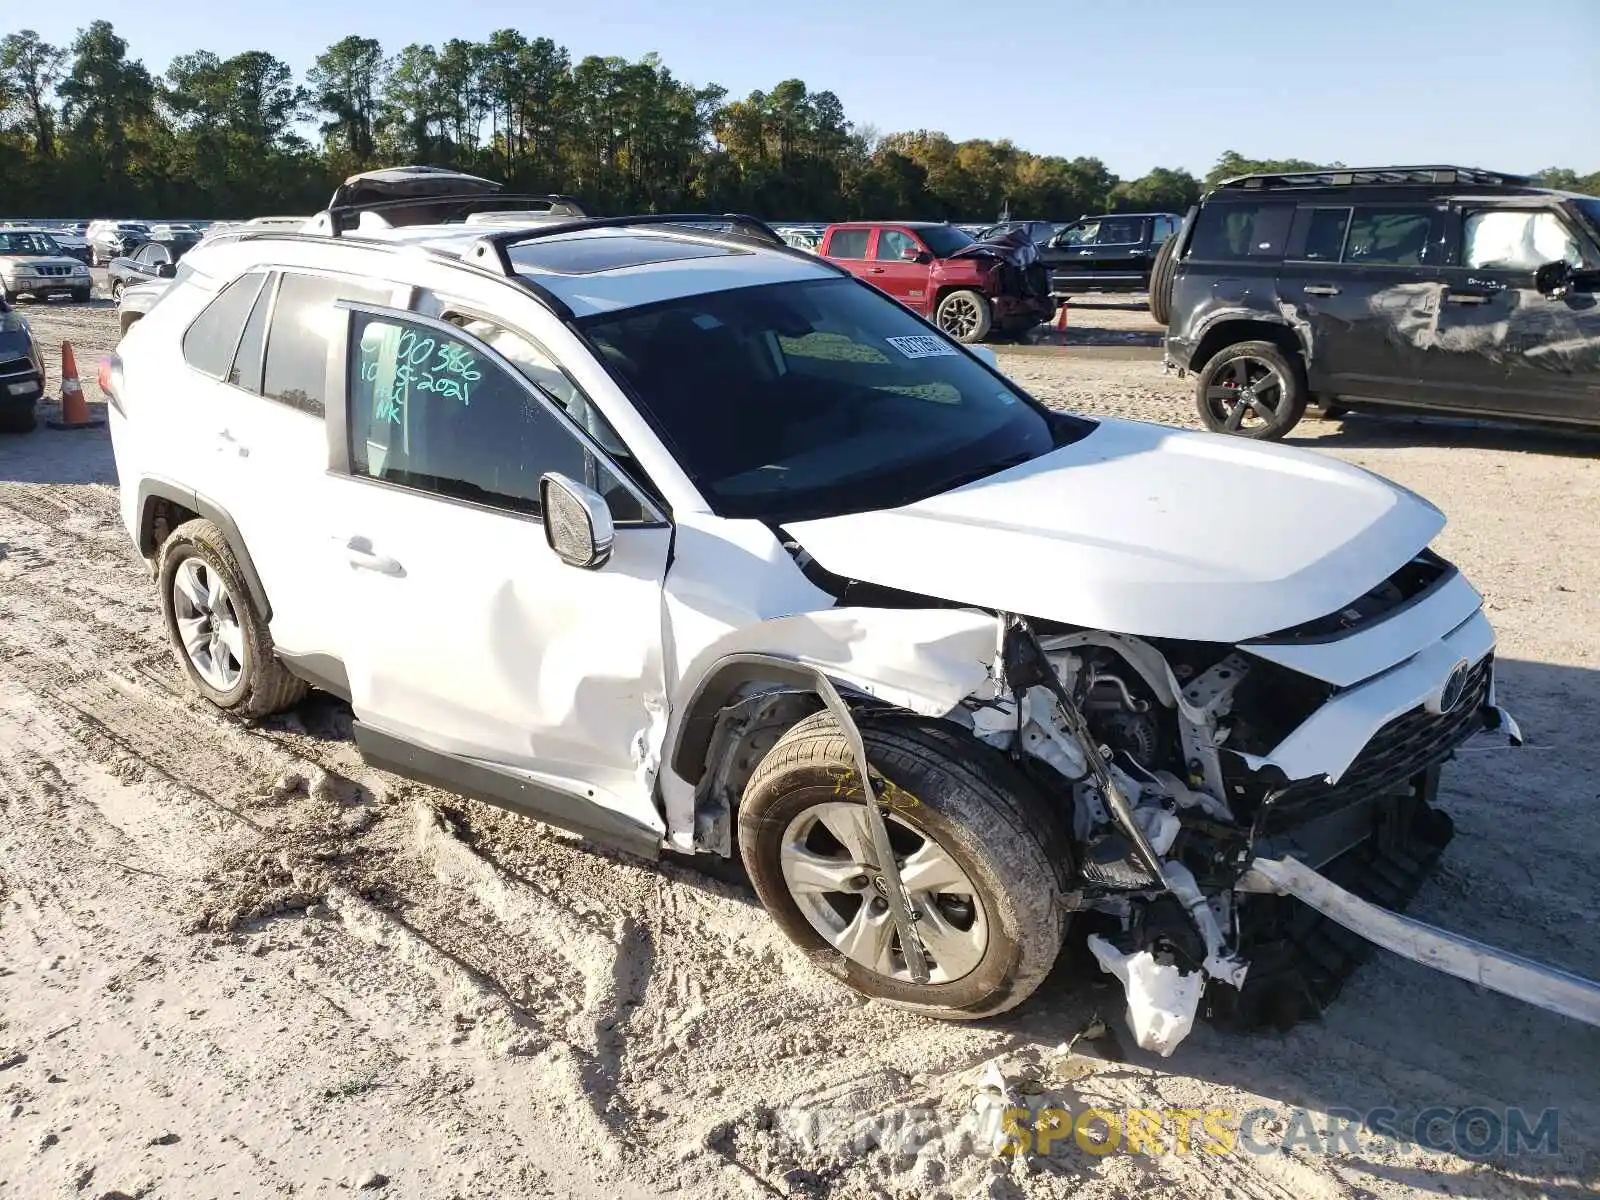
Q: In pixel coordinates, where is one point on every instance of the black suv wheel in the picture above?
(1251, 389)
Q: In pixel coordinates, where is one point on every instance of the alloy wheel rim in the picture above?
(829, 866)
(1246, 395)
(959, 316)
(208, 623)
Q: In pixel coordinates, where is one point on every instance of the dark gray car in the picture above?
(21, 372)
(1438, 288)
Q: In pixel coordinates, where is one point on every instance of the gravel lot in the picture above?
(238, 962)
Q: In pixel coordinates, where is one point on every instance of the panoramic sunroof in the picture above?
(588, 255)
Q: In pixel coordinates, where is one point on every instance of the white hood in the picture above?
(1146, 530)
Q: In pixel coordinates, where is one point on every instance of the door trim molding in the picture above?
(503, 789)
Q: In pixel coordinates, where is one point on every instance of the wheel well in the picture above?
(1228, 333)
(163, 506)
(158, 519)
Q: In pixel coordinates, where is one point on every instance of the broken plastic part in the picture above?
(1162, 999)
(1221, 962)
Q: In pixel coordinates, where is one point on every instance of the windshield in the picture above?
(944, 240)
(798, 400)
(12, 242)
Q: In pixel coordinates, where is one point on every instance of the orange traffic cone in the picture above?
(74, 408)
(1061, 318)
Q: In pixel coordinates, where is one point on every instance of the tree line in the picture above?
(86, 130)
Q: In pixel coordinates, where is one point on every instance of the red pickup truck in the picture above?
(968, 288)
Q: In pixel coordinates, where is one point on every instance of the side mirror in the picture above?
(911, 254)
(166, 270)
(577, 523)
(1553, 278)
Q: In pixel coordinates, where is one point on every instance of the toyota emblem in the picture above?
(1455, 687)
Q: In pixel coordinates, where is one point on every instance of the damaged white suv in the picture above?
(659, 531)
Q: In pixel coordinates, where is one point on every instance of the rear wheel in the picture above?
(965, 315)
(978, 848)
(1161, 273)
(221, 640)
(1251, 389)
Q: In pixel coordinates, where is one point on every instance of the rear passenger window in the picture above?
(209, 343)
(1325, 229)
(246, 369)
(433, 412)
(304, 320)
(1388, 237)
(1238, 231)
(849, 243)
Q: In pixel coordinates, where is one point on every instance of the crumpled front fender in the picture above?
(923, 660)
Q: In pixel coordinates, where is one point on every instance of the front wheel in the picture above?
(221, 640)
(965, 315)
(980, 850)
(1251, 389)
(116, 289)
(82, 295)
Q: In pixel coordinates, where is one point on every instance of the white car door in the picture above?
(271, 441)
(465, 634)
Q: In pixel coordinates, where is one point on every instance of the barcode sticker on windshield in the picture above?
(921, 345)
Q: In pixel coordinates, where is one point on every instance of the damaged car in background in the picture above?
(744, 559)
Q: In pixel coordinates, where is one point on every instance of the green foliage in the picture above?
(87, 131)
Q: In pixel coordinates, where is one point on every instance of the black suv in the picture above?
(1444, 288)
(1109, 253)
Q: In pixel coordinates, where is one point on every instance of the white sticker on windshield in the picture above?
(921, 345)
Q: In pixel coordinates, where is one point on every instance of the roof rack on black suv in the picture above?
(1423, 287)
(1433, 176)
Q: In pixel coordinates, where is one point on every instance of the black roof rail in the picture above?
(450, 206)
(493, 249)
(1421, 176)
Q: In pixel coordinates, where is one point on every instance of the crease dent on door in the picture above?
(580, 677)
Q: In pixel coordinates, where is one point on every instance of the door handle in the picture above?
(1320, 289)
(1465, 298)
(874, 270)
(358, 551)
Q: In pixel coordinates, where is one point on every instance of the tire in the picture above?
(82, 295)
(116, 289)
(261, 685)
(965, 315)
(1161, 273)
(965, 800)
(19, 419)
(1242, 363)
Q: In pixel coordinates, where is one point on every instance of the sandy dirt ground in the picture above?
(237, 962)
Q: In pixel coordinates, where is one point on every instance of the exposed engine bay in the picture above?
(1148, 742)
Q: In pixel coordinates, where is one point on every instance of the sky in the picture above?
(1512, 85)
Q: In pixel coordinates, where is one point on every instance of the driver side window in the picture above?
(1517, 241)
(892, 245)
(434, 412)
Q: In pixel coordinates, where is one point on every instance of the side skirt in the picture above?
(508, 791)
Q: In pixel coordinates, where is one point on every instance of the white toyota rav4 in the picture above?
(674, 536)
